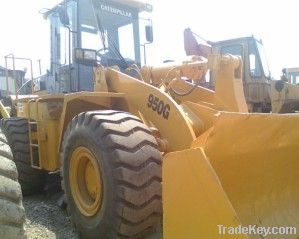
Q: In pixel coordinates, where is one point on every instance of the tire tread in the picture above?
(12, 212)
(16, 132)
(136, 163)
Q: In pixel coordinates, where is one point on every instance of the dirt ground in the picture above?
(45, 219)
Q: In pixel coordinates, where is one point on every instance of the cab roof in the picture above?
(140, 5)
(239, 39)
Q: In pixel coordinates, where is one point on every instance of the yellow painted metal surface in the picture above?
(284, 97)
(172, 122)
(205, 114)
(229, 93)
(194, 69)
(4, 112)
(47, 135)
(252, 159)
(194, 202)
(85, 181)
(79, 102)
(198, 94)
(256, 159)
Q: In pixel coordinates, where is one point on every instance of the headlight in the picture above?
(89, 55)
(85, 56)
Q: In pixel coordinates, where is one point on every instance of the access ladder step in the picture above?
(34, 145)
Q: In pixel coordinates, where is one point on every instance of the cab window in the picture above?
(236, 50)
(254, 63)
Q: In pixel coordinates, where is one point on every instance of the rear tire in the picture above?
(12, 212)
(16, 131)
(130, 167)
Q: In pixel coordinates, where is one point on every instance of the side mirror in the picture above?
(284, 71)
(63, 16)
(87, 57)
(284, 76)
(149, 33)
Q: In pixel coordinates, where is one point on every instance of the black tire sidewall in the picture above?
(100, 224)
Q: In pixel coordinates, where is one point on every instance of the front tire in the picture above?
(118, 150)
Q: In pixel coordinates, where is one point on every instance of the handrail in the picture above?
(12, 56)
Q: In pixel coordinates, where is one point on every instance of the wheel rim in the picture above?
(85, 181)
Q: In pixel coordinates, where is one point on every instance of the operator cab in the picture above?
(252, 53)
(256, 73)
(291, 75)
(104, 30)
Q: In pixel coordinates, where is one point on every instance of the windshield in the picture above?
(263, 58)
(236, 50)
(118, 29)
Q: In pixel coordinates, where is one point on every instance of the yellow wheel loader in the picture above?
(262, 93)
(147, 145)
(291, 75)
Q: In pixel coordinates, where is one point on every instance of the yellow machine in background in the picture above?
(286, 91)
(152, 145)
(291, 75)
(262, 93)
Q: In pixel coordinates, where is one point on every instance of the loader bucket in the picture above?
(244, 172)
